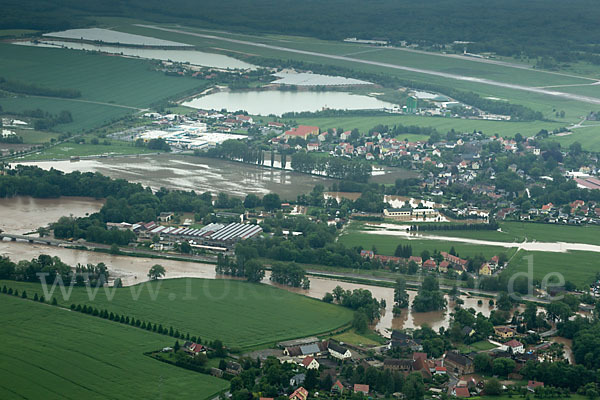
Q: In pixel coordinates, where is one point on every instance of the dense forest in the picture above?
(563, 30)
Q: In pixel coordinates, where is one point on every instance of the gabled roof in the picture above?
(462, 392)
(361, 388)
(339, 385)
(309, 349)
(514, 343)
(337, 347)
(307, 360)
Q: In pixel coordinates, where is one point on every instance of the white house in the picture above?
(338, 351)
(310, 363)
(515, 346)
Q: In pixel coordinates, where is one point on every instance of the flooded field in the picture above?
(110, 36)
(25, 214)
(195, 173)
(279, 102)
(192, 57)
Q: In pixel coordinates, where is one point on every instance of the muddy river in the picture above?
(133, 270)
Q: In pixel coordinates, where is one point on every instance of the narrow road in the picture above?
(530, 89)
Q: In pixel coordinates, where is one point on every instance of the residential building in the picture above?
(302, 131)
(504, 332)
(338, 351)
(310, 363)
(364, 389)
(299, 394)
(458, 363)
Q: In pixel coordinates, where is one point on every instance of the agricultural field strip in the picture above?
(569, 96)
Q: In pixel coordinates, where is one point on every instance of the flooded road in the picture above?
(195, 173)
(133, 270)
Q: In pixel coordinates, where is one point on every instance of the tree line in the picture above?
(35, 90)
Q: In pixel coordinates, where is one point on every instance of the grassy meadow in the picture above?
(578, 267)
(238, 313)
(111, 87)
(442, 124)
(386, 245)
(52, 353)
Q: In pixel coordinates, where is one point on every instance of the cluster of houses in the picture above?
(449, 263)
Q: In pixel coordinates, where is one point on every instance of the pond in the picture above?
(279, 102)
(192, 57)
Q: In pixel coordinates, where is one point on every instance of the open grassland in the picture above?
(443, 125)
(86, 116)
(52, 353)
(588, 136)
(99, 77)
(238, 313)
(68, 149)
(521, 231)
(578, 267)
(386, 244)
(111, 87)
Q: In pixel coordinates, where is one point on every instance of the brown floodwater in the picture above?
(176, 171)
(133, 270)
(24, 214)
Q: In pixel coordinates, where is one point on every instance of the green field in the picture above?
(68, 149)
(386, 244)
(111, 87)
(442, 124)
(578, 267)
(53, 353)
(238, 313)
(482, 345)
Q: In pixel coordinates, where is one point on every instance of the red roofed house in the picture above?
(418, 260)
(361, 388)
(532, 385)
(337, 387)
(299, 394)
(310, 363)
(515, 346)
(461, 392)
(547, 208)
(430, 264)
(443, 267)
(440, 370)
(302, 131)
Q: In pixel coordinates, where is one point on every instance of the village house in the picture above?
(310, 363)
(302, 131)
(165, 216)
(233, 368)
(458, 363)
(504, 332)
(299, 394)
(338, 351)
(485, 270)
(532, 385)
(364, 389)
(515, 347)
(337, 387)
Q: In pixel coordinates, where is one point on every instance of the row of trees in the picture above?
(35, 90)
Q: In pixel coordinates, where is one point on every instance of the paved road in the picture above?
(530, 89)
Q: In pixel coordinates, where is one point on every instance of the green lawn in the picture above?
(578, 267)
(357, 339)
(52, 353)
(482, 345)
(238, 313)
